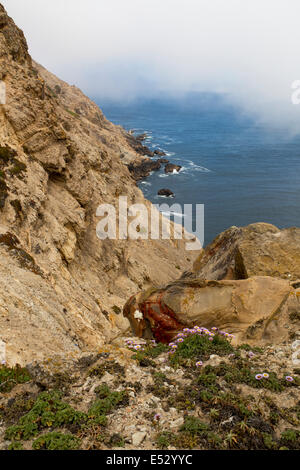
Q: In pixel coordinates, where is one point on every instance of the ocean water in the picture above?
(241, 171)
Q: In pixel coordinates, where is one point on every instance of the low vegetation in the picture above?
(220, 404)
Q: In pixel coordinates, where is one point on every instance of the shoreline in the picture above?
(142, 170)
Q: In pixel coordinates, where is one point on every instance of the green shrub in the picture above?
(269, 442)
(56, 441)
(11, 376)
(194, 426)
(290, 435)
(16, 446)
(107, 401)
(150, 351)
(164, 439)
(242, 372)
(200, 347)
(49, 411)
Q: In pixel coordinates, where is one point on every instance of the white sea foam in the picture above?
(171, 213)
(170, 154)
(174, 172)
(154, 145)
(196, 167)
(192, 167)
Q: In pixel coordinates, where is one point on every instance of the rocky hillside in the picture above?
(214, 362)
(61, 288)
(223, 371)
(200, 392)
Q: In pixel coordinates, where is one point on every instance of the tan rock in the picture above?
(62, 159)
(256, 250)
(254, 309)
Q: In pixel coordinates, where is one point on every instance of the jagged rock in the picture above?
(13, 42)
(143, 169)
(136, 144)
(137, 438)
(160, 153)
(141, 137)
(170, 168)
(165, 192)
(256, 250)
(254, 309)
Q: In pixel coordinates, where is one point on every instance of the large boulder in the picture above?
(256, 250)
(254, 310)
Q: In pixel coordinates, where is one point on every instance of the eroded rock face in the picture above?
(254, 310)
(15, 44)
(60, 158)
(256, 250)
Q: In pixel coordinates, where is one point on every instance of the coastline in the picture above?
(141, 170)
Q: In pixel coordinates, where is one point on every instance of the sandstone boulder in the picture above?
(253, 309)
(256, 250)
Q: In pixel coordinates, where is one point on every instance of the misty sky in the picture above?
(126, 48)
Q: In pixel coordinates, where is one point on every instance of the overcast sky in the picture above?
(123, 48)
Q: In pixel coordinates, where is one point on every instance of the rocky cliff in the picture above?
(217, 363)
(61, 288)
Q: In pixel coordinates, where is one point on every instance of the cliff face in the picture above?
(60, 286)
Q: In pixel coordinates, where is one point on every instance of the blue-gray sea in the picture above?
(243, 172)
